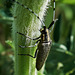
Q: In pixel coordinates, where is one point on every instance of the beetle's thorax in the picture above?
(45, 37)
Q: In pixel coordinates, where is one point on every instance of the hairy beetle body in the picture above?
(43, 48)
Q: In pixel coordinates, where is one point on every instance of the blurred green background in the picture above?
(61, 60)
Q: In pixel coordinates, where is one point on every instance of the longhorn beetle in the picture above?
(44, 42)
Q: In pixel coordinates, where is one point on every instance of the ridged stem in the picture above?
(25, 22)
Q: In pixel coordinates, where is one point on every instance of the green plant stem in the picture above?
(26, 23)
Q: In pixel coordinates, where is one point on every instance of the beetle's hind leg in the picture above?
(31, 55)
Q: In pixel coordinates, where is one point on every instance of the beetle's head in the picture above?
(43, 29)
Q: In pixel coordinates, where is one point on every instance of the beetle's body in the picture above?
(43, 48)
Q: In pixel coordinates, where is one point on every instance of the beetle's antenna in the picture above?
(30, 11)
(53, 17)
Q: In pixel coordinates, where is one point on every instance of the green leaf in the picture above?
(10, 43)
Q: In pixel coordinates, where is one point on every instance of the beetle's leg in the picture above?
(28, 36)
(31, 55)
(29, 46)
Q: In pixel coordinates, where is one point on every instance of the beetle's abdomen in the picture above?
(43, 52)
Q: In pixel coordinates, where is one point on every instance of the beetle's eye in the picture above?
(41, 29)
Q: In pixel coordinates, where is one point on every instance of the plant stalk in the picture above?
(27, 23)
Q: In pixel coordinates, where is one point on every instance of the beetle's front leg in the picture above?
(28, 36)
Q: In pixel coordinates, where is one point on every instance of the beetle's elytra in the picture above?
(44, 42)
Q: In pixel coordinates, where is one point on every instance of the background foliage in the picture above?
(61, 60)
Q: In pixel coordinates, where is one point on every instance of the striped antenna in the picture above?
(53, 15)
(30, 11)
(52, 23)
